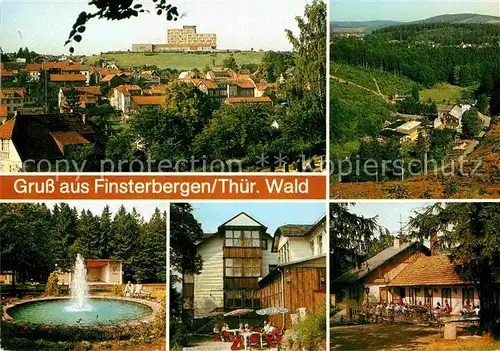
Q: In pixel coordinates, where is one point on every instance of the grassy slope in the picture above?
(444, 93)
(179, 61)
(389, 83)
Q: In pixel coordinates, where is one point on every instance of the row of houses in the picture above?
(409, 273)
(229, 87)
(246, 267)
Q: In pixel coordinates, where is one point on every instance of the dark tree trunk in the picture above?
(488, 308)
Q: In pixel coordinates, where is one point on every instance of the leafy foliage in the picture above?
(35, 239)
(116, 10)
(52, 287)
(471, 124)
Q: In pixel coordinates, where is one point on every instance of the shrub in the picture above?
(308, 335)
(451, 186)
(85, 345)
(160, 323)
(398, 191)
(52, 288)
(118, 289)
(178, 335)
(105, 345)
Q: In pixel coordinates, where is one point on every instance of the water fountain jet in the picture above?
(79, 288)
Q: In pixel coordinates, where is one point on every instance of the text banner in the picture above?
(162, 187)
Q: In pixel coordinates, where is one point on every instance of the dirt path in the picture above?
(379, 337)
(404, 337)
(343, 81)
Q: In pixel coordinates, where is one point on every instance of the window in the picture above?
(468, 295)
(242, 267)
(320, 244)
(311, 247)
(284, 253)
(428, 296)
(445, 296)
(4, 150)
(413, 295)
(264, 244)
(242, 238)
(242, 298)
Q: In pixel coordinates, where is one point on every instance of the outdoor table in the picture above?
(234, 331)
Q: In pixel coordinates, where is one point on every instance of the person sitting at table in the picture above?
(241, 328)
(216, 333)
(266, 328)
(477, 310)
(247, 328)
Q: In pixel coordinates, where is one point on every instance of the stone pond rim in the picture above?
(152, 305)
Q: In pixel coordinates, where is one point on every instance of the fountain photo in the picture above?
(83, 276)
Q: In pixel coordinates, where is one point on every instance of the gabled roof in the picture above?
(63, 139)
(7, 129)
(3, 110)
(429, 270)
(67, 78)
(242, 219)
(456, 112)
(295, 230)
(376, 261)
(13, 92)
(32, 134)
(125, 89)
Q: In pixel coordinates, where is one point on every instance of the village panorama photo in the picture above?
(414, 99)
(202, 86)
(415, 276)
(83, 276)
(248, 276)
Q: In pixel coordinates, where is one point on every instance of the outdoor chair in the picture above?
(227, 336)
(236, 342)
(146, 292)
(254, 339)
(270, 341)
(216, 337)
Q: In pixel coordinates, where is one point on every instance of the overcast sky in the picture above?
(44, 25)
(272, 215)
(407, 10)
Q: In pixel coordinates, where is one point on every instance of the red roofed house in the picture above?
(13, 98)
(369, 282)
(35, 138)
(6, 75)
(89, 96)
(120, 97)
(409, 273)
(10, 161)
(113, 80)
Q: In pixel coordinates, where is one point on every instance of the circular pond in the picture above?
(98, 311)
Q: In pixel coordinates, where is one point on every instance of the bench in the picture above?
(146, 292)
(443, 321)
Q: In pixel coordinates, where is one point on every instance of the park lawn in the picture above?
(177, 60)
(444, 93)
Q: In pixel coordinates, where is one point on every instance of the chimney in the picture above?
(434, 245)
(84, 118)
(396, 243)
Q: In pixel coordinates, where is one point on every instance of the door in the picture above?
(384, 295)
